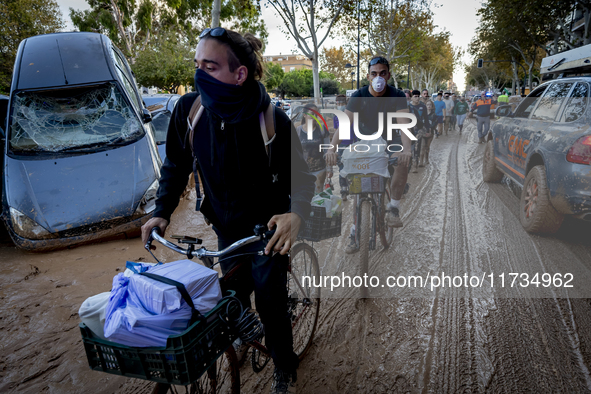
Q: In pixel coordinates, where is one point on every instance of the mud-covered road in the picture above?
(485, 338)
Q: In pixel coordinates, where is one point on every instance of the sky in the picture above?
(456, 16)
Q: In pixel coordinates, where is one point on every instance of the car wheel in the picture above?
(536, 213)
(490, 172)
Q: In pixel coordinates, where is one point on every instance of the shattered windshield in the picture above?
(72, 119)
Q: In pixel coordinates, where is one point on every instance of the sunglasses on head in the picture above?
(379, 60)
(217, 32)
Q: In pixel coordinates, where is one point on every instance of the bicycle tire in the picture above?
(303, 307)
(221, 377)
(364, 228)
(386, 232)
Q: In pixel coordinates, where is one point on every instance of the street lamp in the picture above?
(348, 65)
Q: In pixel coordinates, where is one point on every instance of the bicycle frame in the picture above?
(207, 257)
(376, 207)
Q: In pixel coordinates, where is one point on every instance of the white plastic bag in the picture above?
(323, 200)
(92, 313)
(372, 161)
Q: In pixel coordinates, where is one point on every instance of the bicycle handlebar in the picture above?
(202, 252)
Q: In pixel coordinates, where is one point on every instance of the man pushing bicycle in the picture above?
(251, 173)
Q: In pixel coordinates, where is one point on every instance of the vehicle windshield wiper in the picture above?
(85, 147)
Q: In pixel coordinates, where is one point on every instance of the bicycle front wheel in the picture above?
(386, 232)
(364, 228)
(304, 298)
(222, 377)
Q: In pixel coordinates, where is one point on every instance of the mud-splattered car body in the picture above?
(80, 160)
(550, 128)
(161, 107)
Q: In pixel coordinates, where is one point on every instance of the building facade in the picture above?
(290, 62)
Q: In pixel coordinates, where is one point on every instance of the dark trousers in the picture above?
(267, 277)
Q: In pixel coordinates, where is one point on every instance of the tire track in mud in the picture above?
(534, 343)
(453, 337)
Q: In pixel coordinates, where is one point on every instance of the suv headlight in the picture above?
(27, 227)
(148, 201)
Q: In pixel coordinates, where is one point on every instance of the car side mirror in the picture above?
(147, 116)
(503, 110)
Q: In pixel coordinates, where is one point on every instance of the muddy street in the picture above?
(519, 337)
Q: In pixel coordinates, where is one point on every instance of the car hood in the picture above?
(69, 192)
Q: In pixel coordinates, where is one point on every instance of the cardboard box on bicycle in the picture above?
(366, 183)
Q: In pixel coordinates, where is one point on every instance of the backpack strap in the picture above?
(267, 123)
(192, 120)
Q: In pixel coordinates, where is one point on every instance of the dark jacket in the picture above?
(482, 107)
(422, 115)
(243, 186)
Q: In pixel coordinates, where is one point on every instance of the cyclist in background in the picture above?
(243, 186)
(378, 74)
(311, 147)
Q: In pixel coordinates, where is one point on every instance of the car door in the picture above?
(537, 132)
(504, 142)
(3, 113)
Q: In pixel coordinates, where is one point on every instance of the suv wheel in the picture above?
(536, 213)
(490, 172)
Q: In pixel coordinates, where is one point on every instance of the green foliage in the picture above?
(274, 75)
(297, 83)
(131, 26)
(20, 19)
(167, 64)
(525, 32)
(300, 83)
(329, 86)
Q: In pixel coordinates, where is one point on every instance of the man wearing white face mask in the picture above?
(363, 103)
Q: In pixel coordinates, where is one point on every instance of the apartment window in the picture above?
(280, 59)
(283, 68)
(292, 69)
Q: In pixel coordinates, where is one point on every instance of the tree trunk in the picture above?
(316, 78)
(215, 13)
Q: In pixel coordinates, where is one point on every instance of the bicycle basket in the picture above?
(184, 359)
(318, 227)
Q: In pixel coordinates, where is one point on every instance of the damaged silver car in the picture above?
(80, 161)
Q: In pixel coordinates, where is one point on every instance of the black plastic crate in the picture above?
(318, 227)
(184, 359)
